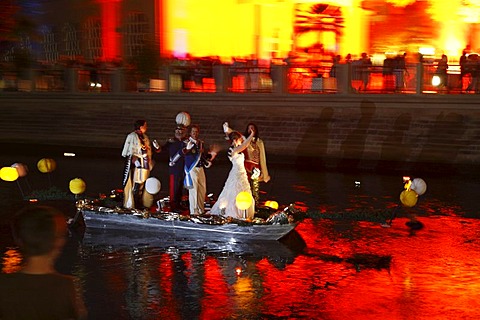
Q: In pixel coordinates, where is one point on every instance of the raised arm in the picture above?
(244, 144)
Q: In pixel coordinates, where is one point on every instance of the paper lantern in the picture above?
(419, 186)
(21, 169)
(183, 118)
(8, 174)
(244, 200)
(46, 165)
(271, 204)
(77, 186)
(153, 185)
(408, 198)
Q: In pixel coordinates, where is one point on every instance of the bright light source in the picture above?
(69, 154)
(436, 81)
(238, 271)
(427, 51)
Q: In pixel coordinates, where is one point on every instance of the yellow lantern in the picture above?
(244, 200)
(408, 198)
(8, 174)
(271, 204)
(77, 186)
(46, 165)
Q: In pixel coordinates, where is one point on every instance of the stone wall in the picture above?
(436, 129)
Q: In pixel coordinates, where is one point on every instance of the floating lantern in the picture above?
(153, 185)
(183, 118)
(271, 204)
(244, 200)
(238, 271)
(46, 165)
(21, 169)
(419, 186)
(408, 198)
(8, 174)
(77, 186)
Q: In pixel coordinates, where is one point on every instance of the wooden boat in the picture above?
(204, 227)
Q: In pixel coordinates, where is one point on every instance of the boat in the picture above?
(206, 226)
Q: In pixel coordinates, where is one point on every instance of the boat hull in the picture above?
(228, 231)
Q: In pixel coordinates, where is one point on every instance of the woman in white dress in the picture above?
(237, 180)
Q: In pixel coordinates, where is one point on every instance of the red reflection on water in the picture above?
(168, 305)
(215, 302)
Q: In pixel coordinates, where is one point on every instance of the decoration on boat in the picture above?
(419, 186)
(244, 200)
(21, 169)
(77, 186)
(408, 198)
(183, 118)
(153, 185)
(46, 165)
(8, 174)
(271, 204)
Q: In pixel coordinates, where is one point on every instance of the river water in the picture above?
(326, 269)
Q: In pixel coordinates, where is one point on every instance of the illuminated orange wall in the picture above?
(111, 38)
(246, 28)
(257, 27)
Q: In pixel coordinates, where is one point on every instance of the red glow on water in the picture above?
(169, 303)
(215, 303)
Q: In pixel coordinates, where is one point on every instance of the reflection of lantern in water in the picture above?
(77, 186)
(8, 174)
(408, 198)
(46, 165)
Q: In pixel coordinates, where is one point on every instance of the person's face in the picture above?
(180, 133)
(238, 141)
(194, 133)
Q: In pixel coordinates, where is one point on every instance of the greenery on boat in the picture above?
(52, 193)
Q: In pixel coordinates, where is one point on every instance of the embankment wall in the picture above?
(315, 129)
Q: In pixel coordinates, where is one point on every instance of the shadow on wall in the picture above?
(314, 143)
(395, 147)
(353, 147)
(444, 139)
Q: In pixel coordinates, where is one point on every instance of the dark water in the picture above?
(325, 270)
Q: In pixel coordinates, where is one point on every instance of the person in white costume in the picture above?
(137, 152)
(237, 180)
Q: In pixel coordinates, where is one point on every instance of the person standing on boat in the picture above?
(137, 152)
(175, 146)
(237, 180)
(196, 159)
(255, 158)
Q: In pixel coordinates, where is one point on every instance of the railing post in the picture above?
(344, 78)
(419, 83)
(279, 74)
(221, 76)
(118, 83)
(71, 76)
